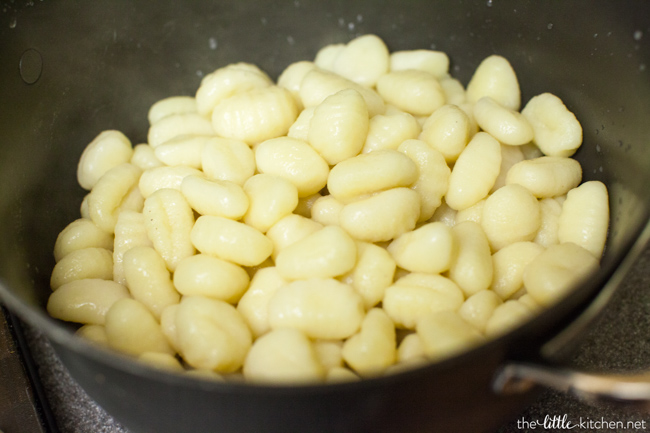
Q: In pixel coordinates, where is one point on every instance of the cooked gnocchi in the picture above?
(365, 214)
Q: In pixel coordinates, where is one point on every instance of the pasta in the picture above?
(363, 215)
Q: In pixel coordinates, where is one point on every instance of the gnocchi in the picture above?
(339, 126)
(363, 215)
(109, 149)
(283, 355)
(148, 279)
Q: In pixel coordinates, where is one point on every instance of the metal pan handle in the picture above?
(631, 390)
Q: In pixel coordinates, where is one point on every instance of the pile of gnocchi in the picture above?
(364, 214)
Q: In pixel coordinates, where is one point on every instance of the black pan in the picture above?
(69, 70)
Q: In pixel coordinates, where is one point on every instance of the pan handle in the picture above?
(630, 390)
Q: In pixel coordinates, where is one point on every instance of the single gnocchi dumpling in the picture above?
(550, 275)
(510, 215)
(433, 175)
(556, 131)
(171, 105)
(506, 317)
(328, 252)
(209, 276)
(115, 191)
(271, 198)
(447, 130)
(325, 56)
(426, 249)
(230, 240)
(479, 308)
(339, 126)
(445, 333)
(79, 234)
(185, 150)
(226, 82)
(318, 84)
(547, 176)
(95, 334)
(410, 350)
(228, 159)
(85, 301)
(550, 210)
(215, 197)
(168, 219)
(144, 157)
(453, 89)
(253, 305)
(475, 172)
(508, 126)
(388, 131)
(383, 216)
(371, 172)
(373, 272)
(326, 210)
(320, 307)
(585, 217)
(149, 280)
(289, 230)
(158, 178)
(510, 156)
(291, 78)
(109, 149)
(495, 78)
(434, 62)
(177, 125)
(373, 348)
(256, 115)
(300, 128)
(509, 265)
(132, 328)
(294, 160)
(283, 356)
(471, 264)
(472, 213)
(417, 294)
(416, 92)
(329, 353)
(82, 264)
(363, 60)
(212, 334)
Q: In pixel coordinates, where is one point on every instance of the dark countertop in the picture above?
(618, 342)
